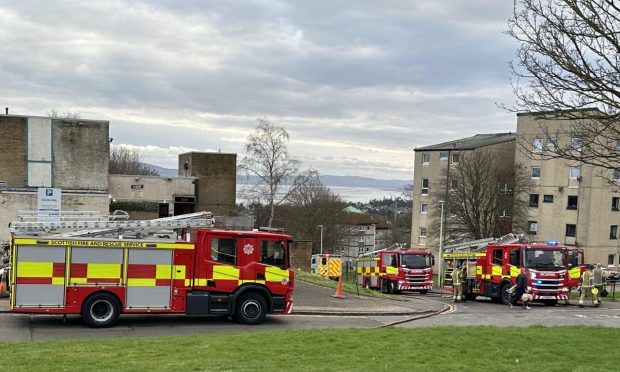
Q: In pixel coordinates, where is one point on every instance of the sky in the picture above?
(357, 84)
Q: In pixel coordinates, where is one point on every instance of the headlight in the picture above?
(564, 289)
(533, 274)
(401, 282)
(529, 289)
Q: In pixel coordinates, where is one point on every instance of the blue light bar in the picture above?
(553, 242)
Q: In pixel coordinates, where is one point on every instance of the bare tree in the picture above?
(312, 205)
(267, 159)
(568, 67)
(53, 113)
(483, 197)
(126, 160)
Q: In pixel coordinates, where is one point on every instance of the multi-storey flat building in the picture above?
(569, 201)
(432, 169)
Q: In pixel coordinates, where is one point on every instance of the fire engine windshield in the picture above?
(545, 258)
(415, 261)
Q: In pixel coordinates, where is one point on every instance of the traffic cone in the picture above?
(339, 289)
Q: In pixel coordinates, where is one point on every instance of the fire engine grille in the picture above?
(416, 279)
(547, 285)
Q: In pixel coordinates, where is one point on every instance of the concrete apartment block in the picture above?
(575, 205)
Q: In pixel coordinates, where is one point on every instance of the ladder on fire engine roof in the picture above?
(478, 244)
(99, 226)
(394, 247)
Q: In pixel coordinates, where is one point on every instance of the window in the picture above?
(426, 158)
(537, 145)
(497, 257)
(504, 214)
(548, 199)
(224, 250)
(615, 203)
(611, 259)
(571, 230)
(514, 257)
(572, 202)
(617, 144)
(425, 186)
(455, 158)
(536, 172)
(552, 143)
(574, 172)
(534, 200)
(424, 208)
(273, 253)
(454, 184)
(576, 143)
(422, 232)
(532, 227)
(443, 155)
(616, 174)
(613, 232)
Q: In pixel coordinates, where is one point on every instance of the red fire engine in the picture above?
(392, 271)
(548, 268)
(243, 274)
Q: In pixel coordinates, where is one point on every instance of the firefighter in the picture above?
(464, 288)
(457, 283)
(598, 281)
(586, 287)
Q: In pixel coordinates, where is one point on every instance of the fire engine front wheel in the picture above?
(251, 309)
(101, 310)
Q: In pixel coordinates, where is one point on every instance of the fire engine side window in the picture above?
(390, 260)
(497, 257)
(224, 250)
(514, 258)
(272, 253)
(323, 261)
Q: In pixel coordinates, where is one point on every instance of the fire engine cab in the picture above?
(243, 274)
(392, 271)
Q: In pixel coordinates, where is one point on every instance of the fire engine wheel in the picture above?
(550, 302)
(504, 296)
(424, 291)
(251, 308)
(101, 310)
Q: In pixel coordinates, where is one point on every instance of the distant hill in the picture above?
(328, 180)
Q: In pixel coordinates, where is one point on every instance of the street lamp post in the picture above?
(439, 280)
(321, 227)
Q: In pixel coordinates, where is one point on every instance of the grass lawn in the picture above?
(347, 285)
(421, 349)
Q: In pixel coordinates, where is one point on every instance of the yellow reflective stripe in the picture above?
(497, 270)
(58, 280)
(103, 271)
(164, 272)
(188, 282)
(478, 270)
(103, 243)
(274, 274)
(201, 282)
(514, 271)
(35, 269)
(575, 272)
(78, 280)
(225, 272)
(179, 271)
(391, 270)
(141, 282)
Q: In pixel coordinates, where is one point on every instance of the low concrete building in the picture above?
(148, 197)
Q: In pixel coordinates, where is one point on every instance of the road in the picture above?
(16, 327)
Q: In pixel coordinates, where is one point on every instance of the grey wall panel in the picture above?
(39, 294)
(97, 255)
(150, 256)
(40, 254)
(142, 297)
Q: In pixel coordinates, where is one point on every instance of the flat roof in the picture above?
(49, 117)
(470, 143)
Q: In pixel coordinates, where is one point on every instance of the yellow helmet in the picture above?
(594, 291)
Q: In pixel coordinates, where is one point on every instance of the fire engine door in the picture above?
(40, 276)
(149, 278)
(216, 263)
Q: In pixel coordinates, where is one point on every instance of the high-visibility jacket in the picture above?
(586, 279)
(456, 277)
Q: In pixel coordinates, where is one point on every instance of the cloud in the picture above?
(366, 81)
